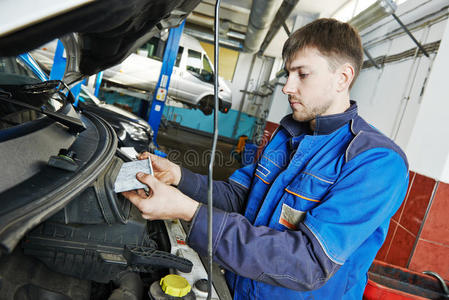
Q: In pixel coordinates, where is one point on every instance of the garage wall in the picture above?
(428, 147)
(391, 97)
(258, 74)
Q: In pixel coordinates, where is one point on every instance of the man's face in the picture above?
(311, 85)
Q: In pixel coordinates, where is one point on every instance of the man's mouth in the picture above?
(293, 101)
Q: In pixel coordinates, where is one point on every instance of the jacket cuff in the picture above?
(197, 237)
(188, 184)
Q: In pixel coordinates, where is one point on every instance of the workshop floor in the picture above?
(192, 151)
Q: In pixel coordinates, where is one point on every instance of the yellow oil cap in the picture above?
(175, 285)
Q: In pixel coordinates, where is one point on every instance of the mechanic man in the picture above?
(307, 219)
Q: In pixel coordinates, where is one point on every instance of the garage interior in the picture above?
(401, 90)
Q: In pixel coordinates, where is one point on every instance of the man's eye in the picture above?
(303, 75)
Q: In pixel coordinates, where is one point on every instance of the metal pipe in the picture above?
(212, 156)
(262, 14)
(279, 20)
(204, 36)
(410, 35)
(287, 31)
(403, 14)
(378, 11)
(371, 58)
(398, 32)
(374, 13)
(409, 85)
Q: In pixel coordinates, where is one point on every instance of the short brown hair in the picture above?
(339, 41)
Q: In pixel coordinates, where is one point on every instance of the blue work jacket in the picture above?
(307, 219)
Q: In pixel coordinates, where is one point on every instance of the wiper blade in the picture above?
(74, 124)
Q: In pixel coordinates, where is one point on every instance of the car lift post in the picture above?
(98, 80)
(58, 70)
(161, 89)
(59, 62)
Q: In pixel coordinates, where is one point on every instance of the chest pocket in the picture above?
(303, 194)
(308, 189)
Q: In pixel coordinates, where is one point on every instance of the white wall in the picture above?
(428, 148)
(240, 77)
(259, 74)
(280, 106)
(391, 98)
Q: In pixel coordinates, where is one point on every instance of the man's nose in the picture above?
(289, 87)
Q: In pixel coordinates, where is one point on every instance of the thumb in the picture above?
(147, 179)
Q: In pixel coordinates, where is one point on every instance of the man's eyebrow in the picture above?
(294, 68)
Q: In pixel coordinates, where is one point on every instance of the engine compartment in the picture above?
(98, 243)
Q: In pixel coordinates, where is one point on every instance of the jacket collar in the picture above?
(324, 124)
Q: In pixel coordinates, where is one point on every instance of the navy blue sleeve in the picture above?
(227, 195)
(292, 259)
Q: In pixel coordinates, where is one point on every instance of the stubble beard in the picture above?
(309, 114)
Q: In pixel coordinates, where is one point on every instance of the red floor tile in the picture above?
(383, 251)
(401, 248)
(431, 257)
(398, 214)
(436, 227)
(417, 203)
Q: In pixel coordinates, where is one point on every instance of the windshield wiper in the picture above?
(74, 124)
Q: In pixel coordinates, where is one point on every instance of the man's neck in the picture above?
(341, 107)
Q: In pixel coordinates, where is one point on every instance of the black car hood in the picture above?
(108, 30)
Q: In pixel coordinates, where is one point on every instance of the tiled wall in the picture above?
(418, 237)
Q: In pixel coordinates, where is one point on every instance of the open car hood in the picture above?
(107, 31)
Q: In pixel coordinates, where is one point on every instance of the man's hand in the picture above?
(164, 170)
(163, 203)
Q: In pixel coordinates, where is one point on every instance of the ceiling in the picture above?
(325, 8)
(234, 17)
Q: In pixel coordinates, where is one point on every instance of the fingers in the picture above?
(143, 155)
(148, 179)
(134, 198)
(146, 217)
(142, 193)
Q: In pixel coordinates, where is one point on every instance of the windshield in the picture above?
(18, 82)
(199, 66)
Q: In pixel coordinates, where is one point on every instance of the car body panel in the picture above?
(103, 42)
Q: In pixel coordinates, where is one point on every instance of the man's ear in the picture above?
(345, 76)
